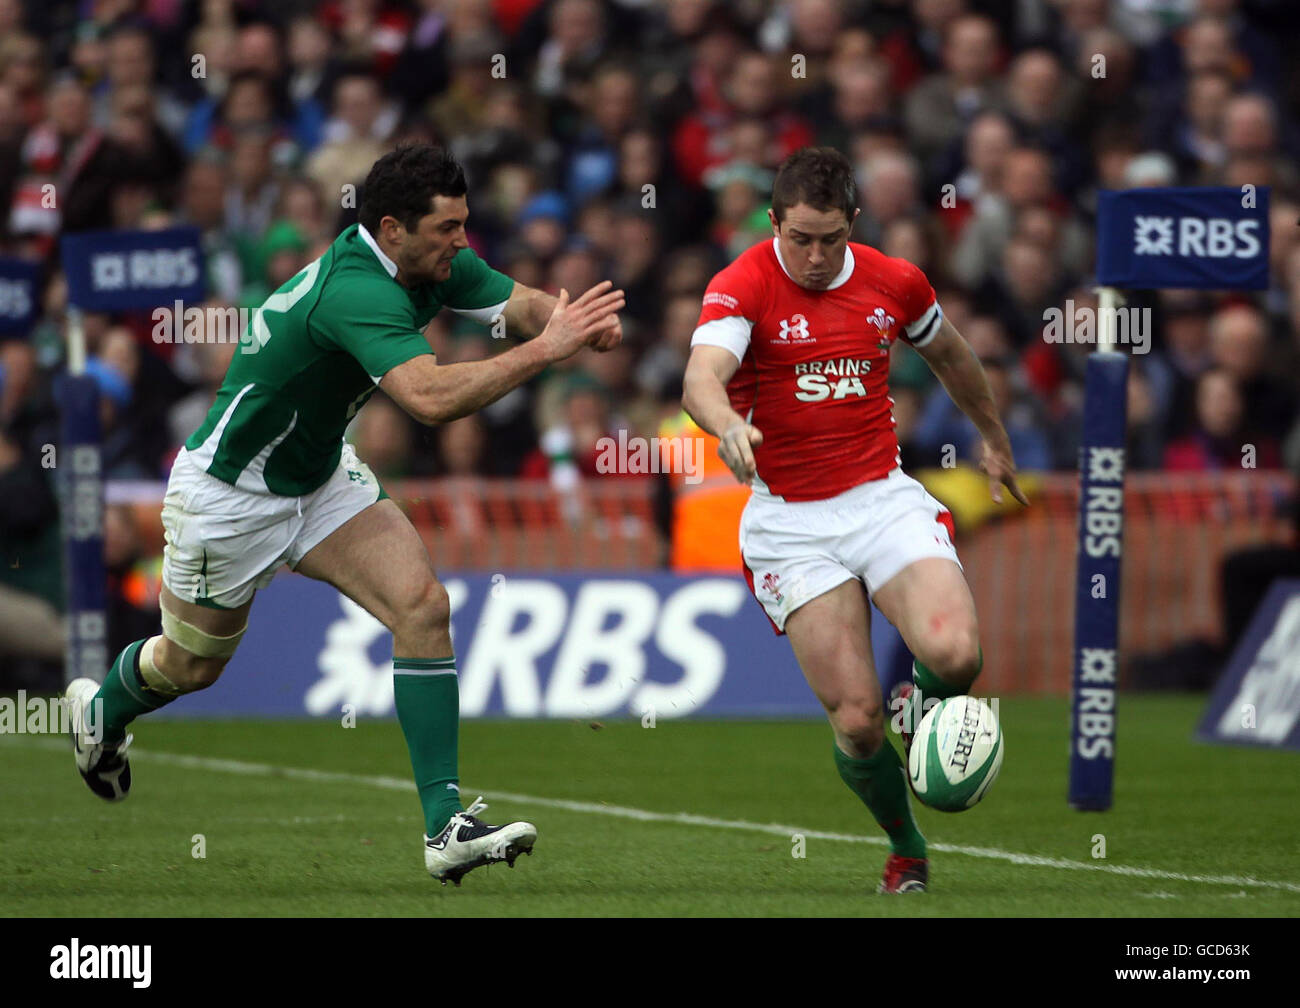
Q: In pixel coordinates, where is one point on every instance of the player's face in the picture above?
(812, 243)
(425, 254)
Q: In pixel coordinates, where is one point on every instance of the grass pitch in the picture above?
(684, 819)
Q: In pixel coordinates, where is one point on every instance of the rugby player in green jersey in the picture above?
(268, 479)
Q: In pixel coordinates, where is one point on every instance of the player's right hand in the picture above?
(736, 448)
(573, 326)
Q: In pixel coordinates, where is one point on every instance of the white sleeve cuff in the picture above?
(924, 329)
(730, 332)
(485, 316)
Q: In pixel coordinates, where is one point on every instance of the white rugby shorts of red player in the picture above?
(796, 550)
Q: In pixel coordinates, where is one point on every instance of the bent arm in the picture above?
(434, 393)
(958, 369)
(704, 389)
(527, 311)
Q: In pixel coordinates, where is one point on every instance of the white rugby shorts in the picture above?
(224, 543)
(796, 550)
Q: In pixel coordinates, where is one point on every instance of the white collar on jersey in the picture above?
(369, 239)
(840, 278)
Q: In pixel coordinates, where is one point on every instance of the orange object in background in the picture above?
(707, 501)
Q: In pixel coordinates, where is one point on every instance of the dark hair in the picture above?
(403, 183)
(820, 177)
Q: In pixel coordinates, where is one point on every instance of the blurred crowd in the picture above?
(636, 140)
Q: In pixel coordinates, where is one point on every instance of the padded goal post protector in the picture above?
(1257, 699)
(105, 271)
(79, 478)
(1095, 661)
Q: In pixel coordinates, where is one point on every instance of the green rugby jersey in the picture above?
(315, 351)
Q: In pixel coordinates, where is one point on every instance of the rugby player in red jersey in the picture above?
(788, 368)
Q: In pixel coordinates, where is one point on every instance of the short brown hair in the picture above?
(820, 177)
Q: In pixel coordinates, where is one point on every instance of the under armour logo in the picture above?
(796, 327)
(355, 476)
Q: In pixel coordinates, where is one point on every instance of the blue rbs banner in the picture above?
(564, 646)
(125, 270)
(19, 293)
(1205, 238)
(1257, 699)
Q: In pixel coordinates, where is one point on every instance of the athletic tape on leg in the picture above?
(152, 675)
(199, 642)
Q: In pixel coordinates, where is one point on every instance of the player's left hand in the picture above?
(1001, 470)
(608, 337)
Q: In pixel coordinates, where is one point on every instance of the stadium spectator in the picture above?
(134, 578)
(461, 447)
(542, 225)
(975, 171)
(576, 42)
(940, 107)
(209, 361)
(702, 140)
(23, 68)
(370, 32)
(355, 135)
(1239, 344)
(638, 259)
(251, 195)
(1026, 181)
(941, 424)
(592, 162)
(1042, 103)
(1221, 439)
(460, 109)
(30, 555)
(384, 437)
(203, 205)
(132, 63)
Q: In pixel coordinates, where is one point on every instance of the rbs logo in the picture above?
(143, 269)
(1208, 238)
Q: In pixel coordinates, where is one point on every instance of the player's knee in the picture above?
(953, 654)
(423, 609)
(191, 673)
(174, 670)
(861, 723)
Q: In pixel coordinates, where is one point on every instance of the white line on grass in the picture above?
(687, 819)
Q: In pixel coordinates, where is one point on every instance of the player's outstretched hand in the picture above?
(573, 326)
(736, 448)
(609, 337)
(1001, 470)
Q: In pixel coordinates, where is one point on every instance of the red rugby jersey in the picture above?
(815, 363)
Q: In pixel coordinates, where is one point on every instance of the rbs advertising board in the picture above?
(575, 646)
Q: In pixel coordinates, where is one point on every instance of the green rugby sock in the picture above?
(930, 687)
(427, 695)
(124, 696)
(878, 781)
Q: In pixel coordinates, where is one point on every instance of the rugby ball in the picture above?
(956, 754)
